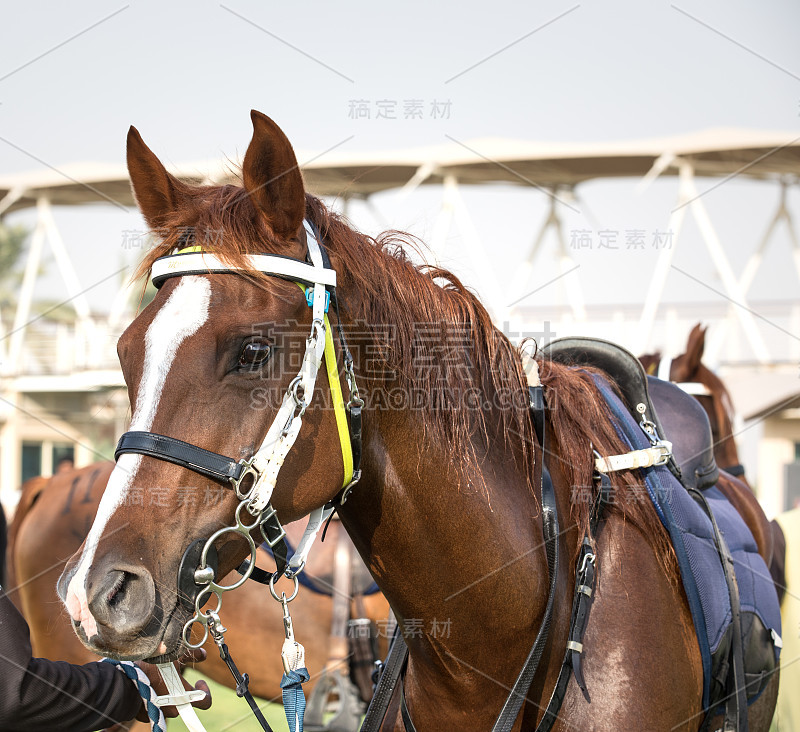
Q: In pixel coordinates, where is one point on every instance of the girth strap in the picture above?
(181, 453)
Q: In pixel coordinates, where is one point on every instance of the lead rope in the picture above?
(146, 691)
(295, 672)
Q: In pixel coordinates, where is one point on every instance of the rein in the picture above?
(253, 480)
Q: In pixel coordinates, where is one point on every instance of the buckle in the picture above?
(665, 446)
(271, 528)
(247, 469)
(346, 490)
(310, 298)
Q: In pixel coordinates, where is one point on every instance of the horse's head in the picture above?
(695, 378)
(208, 362)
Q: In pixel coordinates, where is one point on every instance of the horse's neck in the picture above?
(439, 545)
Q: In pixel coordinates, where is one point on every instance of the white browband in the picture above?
(205, 262)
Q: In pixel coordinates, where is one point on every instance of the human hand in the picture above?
(190, 656)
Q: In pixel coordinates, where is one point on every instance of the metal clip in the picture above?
(666, 452)
(287, 619)
(288, 629)
(350, 376)
(650, 429)
(215, 627)
(588, 558)
(247, 470)
(349, 487)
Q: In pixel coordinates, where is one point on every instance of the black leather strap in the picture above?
(510, 711)
(737, 471)
(404, 713)
(257, 575)
(387, 682)
(242, 686)
(581, 606)
(219, 467)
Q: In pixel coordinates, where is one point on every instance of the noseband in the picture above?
(253, 480)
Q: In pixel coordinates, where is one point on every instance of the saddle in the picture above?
(686, 425)
(736, 618)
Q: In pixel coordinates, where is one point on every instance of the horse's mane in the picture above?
(581, 421)
(401, 307)
(423, 306)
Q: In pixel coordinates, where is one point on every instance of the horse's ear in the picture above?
(272, 177)
(695, 347)
(156, 191)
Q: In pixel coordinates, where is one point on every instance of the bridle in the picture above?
(253, 480)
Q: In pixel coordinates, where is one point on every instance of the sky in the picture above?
(73, 77)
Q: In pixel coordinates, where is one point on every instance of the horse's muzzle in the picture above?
(122, 599)
(114, 607)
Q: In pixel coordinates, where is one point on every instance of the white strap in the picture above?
(656, 455)
(531, 369)
(695, 388)
(316, 519)
(187, 697)
(175, 688)
(313, 246)
(664, 367)
(200, 262)
(269, 458)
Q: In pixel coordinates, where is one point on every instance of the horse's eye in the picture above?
(254, 354)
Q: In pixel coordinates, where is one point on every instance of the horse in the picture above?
(54, 516)
(689, 371)
(3, 546)
(448, 511)
(694, 377)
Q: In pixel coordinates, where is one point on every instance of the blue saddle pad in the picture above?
(692, 537)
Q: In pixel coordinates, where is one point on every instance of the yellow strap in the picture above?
(338, 400)
(190, 250)
(338, 404)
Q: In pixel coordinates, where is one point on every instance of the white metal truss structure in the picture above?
(556, 170)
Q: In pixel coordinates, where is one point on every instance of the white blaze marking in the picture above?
(181, 316)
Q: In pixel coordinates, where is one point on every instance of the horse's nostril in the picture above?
(123, 599)
(115, 594)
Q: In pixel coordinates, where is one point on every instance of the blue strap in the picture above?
(294, 700)
(307, 582)
(135, 674)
